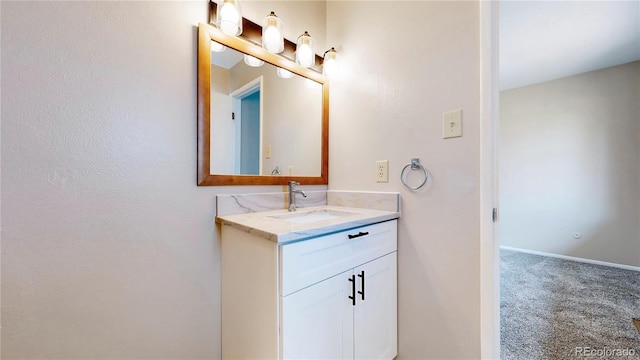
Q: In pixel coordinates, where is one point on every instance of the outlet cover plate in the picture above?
(382, 171)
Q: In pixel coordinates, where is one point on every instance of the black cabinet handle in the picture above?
(361, 275)
(358, 235)
(353, 290)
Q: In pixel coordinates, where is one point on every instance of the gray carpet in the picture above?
(559, 309)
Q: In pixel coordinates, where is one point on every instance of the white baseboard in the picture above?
(565, 257)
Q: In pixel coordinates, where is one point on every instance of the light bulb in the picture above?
(252, 61)
(330, 63)
(272, 38)
(305, 55)
(284, 73)
(229, 18)
(217, 47)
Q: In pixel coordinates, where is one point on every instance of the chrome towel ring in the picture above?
(415, 165)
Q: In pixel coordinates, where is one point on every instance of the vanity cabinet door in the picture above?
(317, 321)
(376, 319)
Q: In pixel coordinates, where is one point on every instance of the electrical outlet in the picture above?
(452, 124)
(382, 171)
(290, 169)
(267, 151)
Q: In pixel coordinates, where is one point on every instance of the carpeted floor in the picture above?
(559, 309)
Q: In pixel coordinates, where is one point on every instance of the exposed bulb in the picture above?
(305, 55)
(272, 38)
(330, 63)
(284, 73)
(252, 61)
(229, 18)
(217, 47)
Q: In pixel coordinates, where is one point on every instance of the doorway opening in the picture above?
(247, 106)
(567, 126)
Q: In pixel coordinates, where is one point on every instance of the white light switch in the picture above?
(452, 124)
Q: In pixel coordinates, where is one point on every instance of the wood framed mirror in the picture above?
(290, 134)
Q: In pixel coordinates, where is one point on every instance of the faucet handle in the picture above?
(293, 183)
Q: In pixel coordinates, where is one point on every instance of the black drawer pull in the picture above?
(358, 235)
(361, 275)
(352, 279)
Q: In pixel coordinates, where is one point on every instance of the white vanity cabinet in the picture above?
(329, 297)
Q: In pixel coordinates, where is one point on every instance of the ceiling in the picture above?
(547, 40)
(227, 59)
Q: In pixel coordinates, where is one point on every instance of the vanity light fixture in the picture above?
(272, 34)
(305, 56)
(217, 47)
(284, 73)
(330, 63)
(252, 61)
(229, 18)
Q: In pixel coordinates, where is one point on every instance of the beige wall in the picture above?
(109, 249)
(570, 165)
(291, 119)
(402, 65)
(223, 136)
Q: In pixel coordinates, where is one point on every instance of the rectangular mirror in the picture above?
(255, 127)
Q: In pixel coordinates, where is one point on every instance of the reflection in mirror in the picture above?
(255, 127)
(263, 123)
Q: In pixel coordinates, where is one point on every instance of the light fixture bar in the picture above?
(252, 33)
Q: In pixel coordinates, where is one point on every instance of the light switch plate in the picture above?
(452, 124)
(382, 171)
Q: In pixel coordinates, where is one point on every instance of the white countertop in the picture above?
(267, 225)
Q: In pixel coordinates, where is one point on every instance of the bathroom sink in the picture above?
(301, 217)
(282, 226)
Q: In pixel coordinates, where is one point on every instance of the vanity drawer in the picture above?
(308, 262)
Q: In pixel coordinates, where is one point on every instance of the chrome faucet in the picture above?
(292, 194)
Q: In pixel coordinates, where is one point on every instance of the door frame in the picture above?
(489, 241)
(237, 95)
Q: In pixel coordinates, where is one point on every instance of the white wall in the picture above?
(402, 65)
(570, 163)
(109, 249)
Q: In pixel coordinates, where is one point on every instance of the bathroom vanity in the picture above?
(318, 283)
